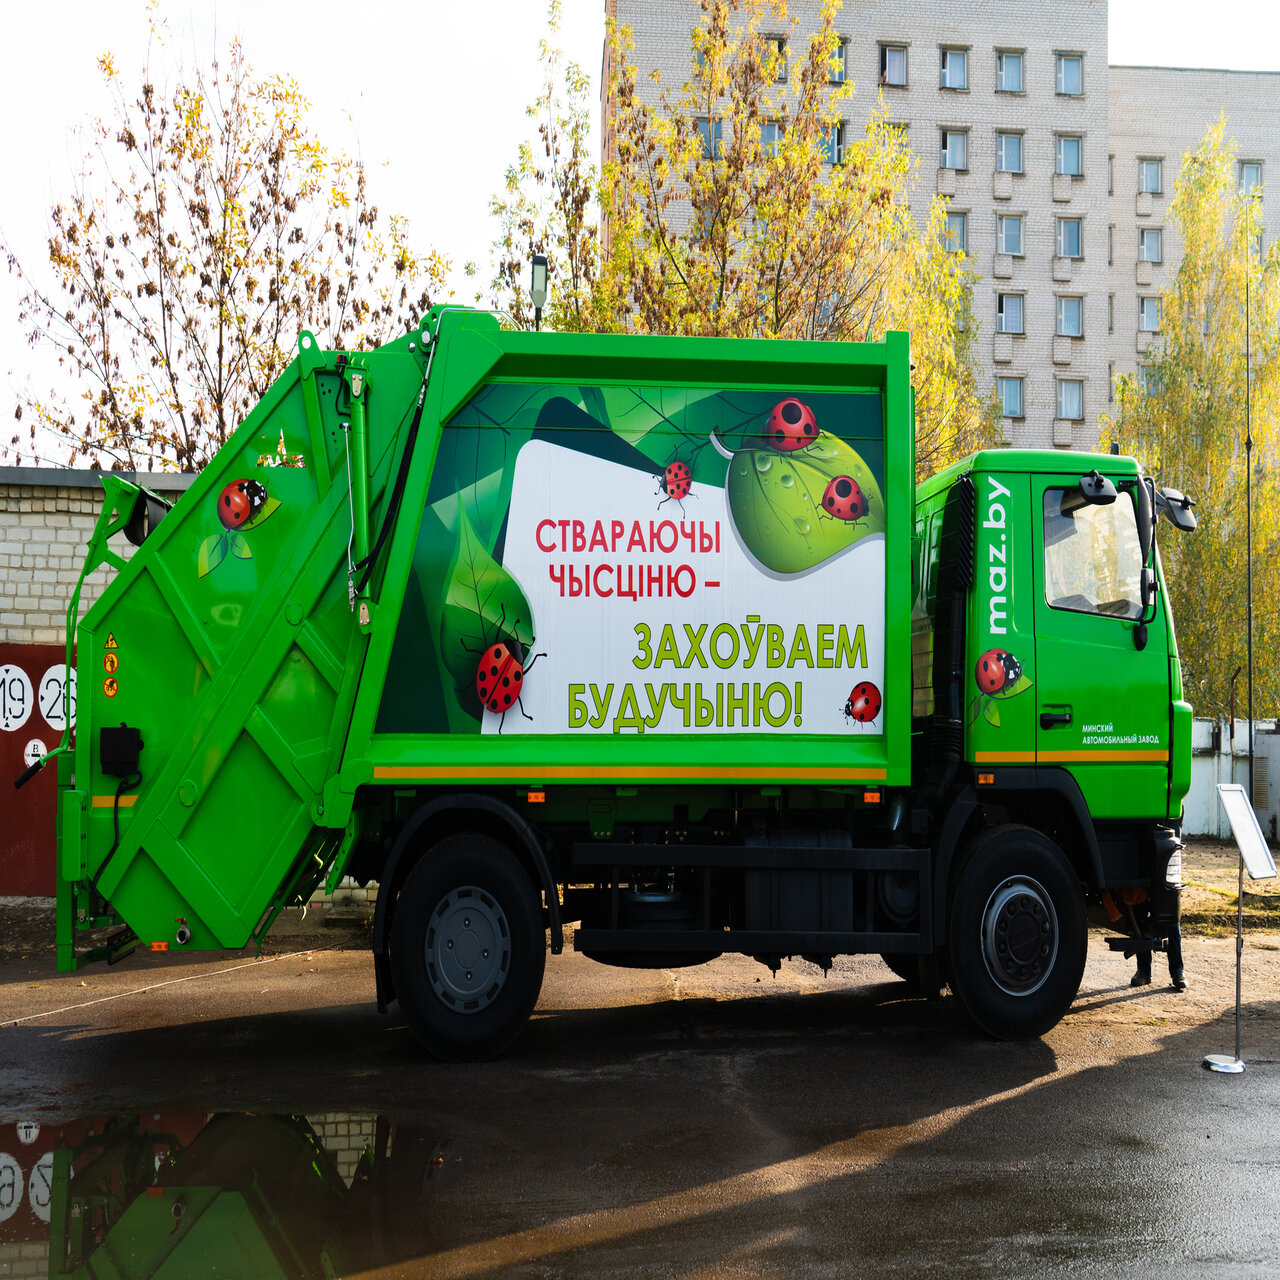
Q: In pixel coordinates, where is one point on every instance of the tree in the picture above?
(206, 228)
(1183, 417)
(736, 206)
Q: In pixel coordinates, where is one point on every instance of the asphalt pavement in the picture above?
(716, 1121)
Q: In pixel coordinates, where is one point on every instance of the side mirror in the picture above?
(1177, 506)
(1094, 490)
(1146, 519)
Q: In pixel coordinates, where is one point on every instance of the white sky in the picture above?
(431, 93)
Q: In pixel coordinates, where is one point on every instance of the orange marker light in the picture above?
(872, 797)
(986, 779)
(537, 797)
(159, 946)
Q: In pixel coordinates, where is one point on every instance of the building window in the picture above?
(709, 132)
(955, 149)
(836, 69)
(1146, 379)
(1111, 175)
(779, 44)
(1011, 397)
(1149, 315)
(1111, 382)
(1149, 176)
(833, 143)
(1070, 74)
(1008, 72)
(1111, 244)
(1069, 155)
(1009, 313)
(1071, 317)
(893, 65)
(1149, 244)
(955, 68)
(1250, 172)
(1070, 399)
(1009, 152)
(1069, 238)
(957, 234)
(1111, 313)
(1009, 234)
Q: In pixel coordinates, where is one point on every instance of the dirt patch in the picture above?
(1210, 871)
(27, 930)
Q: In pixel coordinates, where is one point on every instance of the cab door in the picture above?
(1102, 703)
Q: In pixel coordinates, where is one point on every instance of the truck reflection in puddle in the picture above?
(227, 1195)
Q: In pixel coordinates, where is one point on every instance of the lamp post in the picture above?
(538, 288)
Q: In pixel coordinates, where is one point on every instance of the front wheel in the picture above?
(468, 949)
(1018, 933)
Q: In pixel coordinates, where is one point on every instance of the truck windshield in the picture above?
(1092, 558)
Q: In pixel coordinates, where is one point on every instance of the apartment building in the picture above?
(1057, 169)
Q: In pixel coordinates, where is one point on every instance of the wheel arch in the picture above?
(1047, 800)
(446, 815)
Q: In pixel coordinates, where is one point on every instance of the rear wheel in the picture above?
(468, 948)
(1018, 933)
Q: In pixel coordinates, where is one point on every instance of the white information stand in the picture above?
(1256, 856)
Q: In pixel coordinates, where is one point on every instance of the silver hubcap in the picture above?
(468, 949)
(1019, 935)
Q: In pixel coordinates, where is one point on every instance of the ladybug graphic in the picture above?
(500, 674)
(844, 499)
(676, 482)
(863, 703)
(239, 502)
(996, 670)
(791, 425)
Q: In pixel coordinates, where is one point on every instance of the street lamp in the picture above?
(538, 288)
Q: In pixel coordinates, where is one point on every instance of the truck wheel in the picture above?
(468, 949)
(1018, 933)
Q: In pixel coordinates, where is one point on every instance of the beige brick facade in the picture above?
(1161, 113)
(1118, 114)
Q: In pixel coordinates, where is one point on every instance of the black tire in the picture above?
(468, 948)
(1018, 933)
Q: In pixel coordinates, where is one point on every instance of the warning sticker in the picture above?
(111, 663)
(111, 686)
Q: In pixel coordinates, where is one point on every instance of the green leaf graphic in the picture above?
(1020, 685)
(213, 551)
(268, 508)
(483, 604)
(775, 499)
(240, 546)
(991, 713)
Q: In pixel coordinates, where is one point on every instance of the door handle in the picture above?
(1049, 718)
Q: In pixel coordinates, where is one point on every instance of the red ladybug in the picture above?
(844, 500)
(864, 703)
(500, 677)
(992, 673)
(791, 425)
(676, 482)
(240, 501)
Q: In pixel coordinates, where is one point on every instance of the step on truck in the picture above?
(653, 637)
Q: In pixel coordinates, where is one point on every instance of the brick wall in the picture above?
(46, 519)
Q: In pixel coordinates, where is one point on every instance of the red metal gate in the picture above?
(31, 723)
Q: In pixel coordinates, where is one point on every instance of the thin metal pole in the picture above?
(1248, 596)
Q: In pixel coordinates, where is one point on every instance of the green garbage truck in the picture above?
(655, 637)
